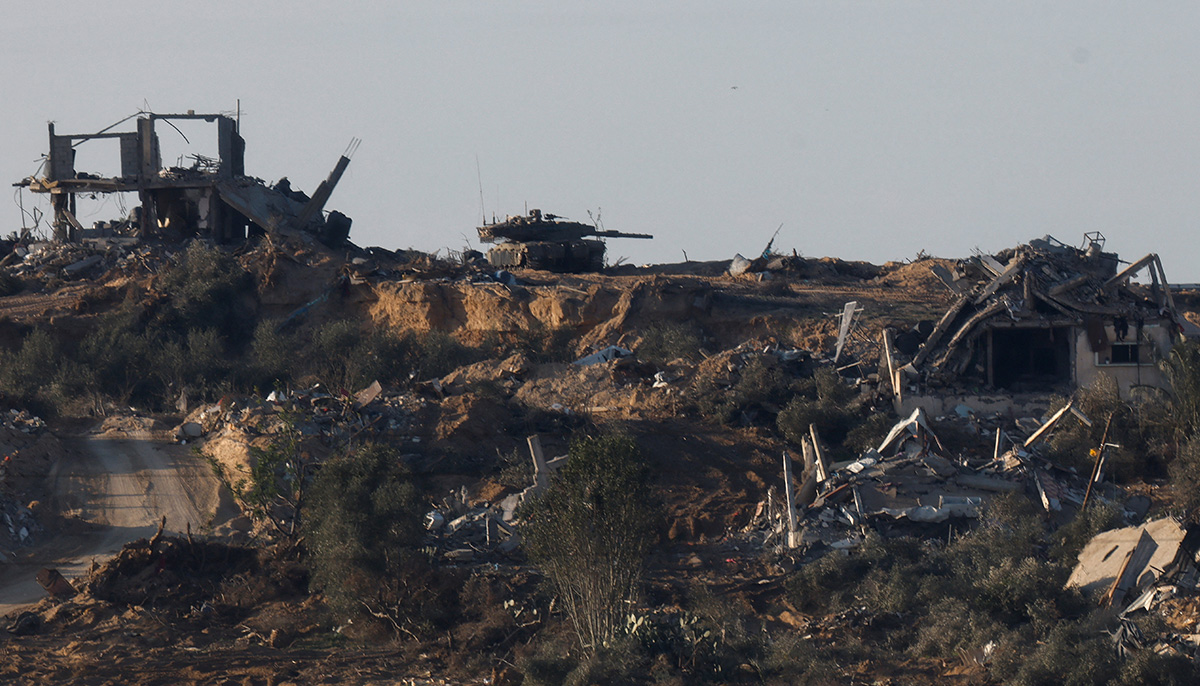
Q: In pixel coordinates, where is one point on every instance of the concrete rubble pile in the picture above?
(23, 421)
(43, 261)
(911, 480)
(19, 527)
(18, 524)
(462, 532)
(333, 418)
(771, 264)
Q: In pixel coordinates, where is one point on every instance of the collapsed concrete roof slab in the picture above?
(1120, 560)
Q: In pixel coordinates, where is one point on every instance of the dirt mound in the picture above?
(230, 446)
(471, 420)
(169, 610)
(916, 277)
(124, 426)
(608, 390)
(601, 312)
(505, 373)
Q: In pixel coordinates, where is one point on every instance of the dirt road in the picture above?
(117, 486)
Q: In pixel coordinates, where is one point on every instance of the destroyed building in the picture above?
(1046, 315)
(212, 197)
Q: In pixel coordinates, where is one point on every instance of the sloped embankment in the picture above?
(599, 313)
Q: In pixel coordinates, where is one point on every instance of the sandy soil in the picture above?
(110, 489)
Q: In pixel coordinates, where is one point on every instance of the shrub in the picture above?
(273, 490)
(37, 375)
(991, 584)
(662, 343)
(590, 533)
(437, 353)
(117, 355)
(832, 406)
(1073, 654)
(1072, 441)
(204, 289)
(272, 357)
(345, 356)
(1185, 477)
(761, 387)
(196, 360)
(1070, 539)
(1148, 668)
(1182, 369)
(540, 343)
(516, 469)
(364, 519)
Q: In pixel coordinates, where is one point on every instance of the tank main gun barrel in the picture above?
(609, 233)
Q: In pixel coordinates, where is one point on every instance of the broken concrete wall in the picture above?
(1153, 346)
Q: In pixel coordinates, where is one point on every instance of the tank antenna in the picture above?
(479, 175)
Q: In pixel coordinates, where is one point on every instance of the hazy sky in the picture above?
(870, 130)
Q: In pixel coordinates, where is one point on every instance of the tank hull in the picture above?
(556, 256)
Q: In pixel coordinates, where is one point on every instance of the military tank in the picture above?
(544, 241)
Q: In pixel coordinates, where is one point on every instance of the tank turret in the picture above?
(545, 241)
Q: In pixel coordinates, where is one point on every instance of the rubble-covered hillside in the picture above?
(283, 462)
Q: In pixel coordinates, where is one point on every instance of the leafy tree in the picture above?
(590, 532)
(1182, 369)
(364, 520)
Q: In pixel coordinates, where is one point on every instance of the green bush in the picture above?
(274, 488)
(39, 375)
(344, 355)
(1148, 668)
(273, 356)
(184, 336)
(540, 343)
(197, 361)
(760, 390)
(1070, 538)
(1185, 477)
(118, 356)
(990, 584)
(1072, 441)
(1143, 429)
(665, 342)
(1182, 369)
(1072, 654)
(841, 419)
(516, 469)
(362, 526)
(590, 533)
(437, 353)
(204, 288)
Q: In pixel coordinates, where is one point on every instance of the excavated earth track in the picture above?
(107, 489)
